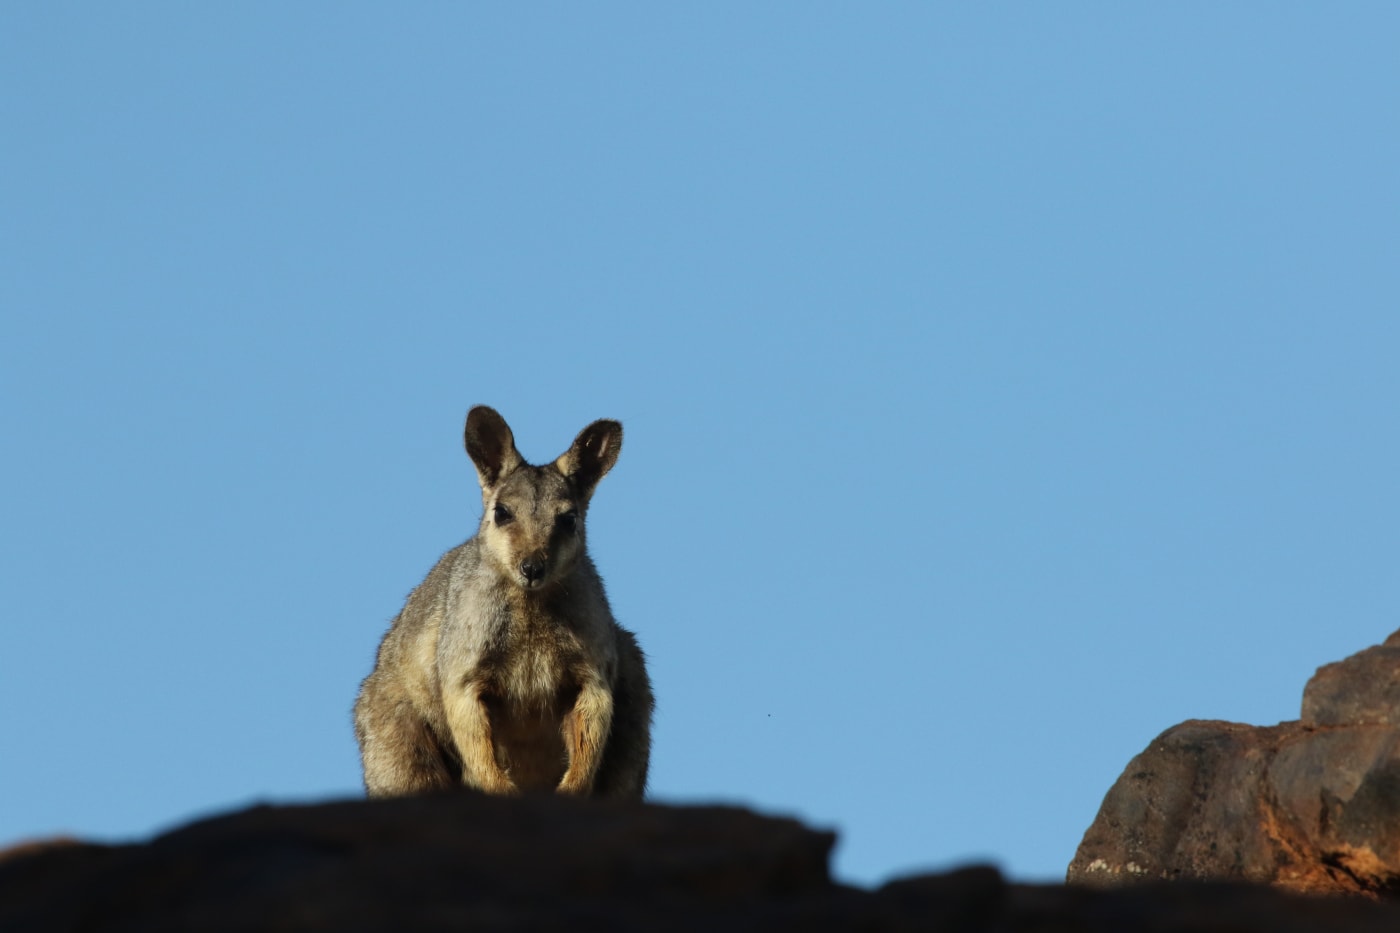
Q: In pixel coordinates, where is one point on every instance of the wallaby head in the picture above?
(532, 521)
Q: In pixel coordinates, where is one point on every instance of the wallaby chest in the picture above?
(534, 663)
(531, 679)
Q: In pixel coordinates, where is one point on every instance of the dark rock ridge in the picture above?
(468, 862)
(1311, 805)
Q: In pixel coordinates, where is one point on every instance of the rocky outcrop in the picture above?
(1311, 805)
(467, 862)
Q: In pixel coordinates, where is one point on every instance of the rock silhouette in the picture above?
(1199, 834)
(462, 861)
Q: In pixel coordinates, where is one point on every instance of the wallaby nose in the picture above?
(533, 569)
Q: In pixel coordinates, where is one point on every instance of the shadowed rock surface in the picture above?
(1311, 805)
(467, 862)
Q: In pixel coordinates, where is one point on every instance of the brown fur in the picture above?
(505, 670)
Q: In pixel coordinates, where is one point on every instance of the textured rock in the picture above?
(467, 862)
(1365, 688)
(1311, 806)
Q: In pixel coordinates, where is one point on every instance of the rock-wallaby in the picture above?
(505, 670)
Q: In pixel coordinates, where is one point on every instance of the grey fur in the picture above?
(505, 670)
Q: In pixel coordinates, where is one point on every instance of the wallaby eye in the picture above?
(502, 515)
(568, 521)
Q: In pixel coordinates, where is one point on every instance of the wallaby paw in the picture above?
(574, 788)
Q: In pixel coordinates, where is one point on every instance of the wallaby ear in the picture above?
(490, 445)
(594, 452)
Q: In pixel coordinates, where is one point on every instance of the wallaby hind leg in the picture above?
(399, 752)
(623, 772)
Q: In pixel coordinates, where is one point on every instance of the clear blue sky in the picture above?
(1003, 384)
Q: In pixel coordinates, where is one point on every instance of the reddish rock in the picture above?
(1365, 688)
(1310, 806)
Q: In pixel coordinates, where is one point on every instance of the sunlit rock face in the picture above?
(1311, 805)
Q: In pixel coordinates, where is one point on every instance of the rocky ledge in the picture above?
(468, 862)
(1311, 805)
